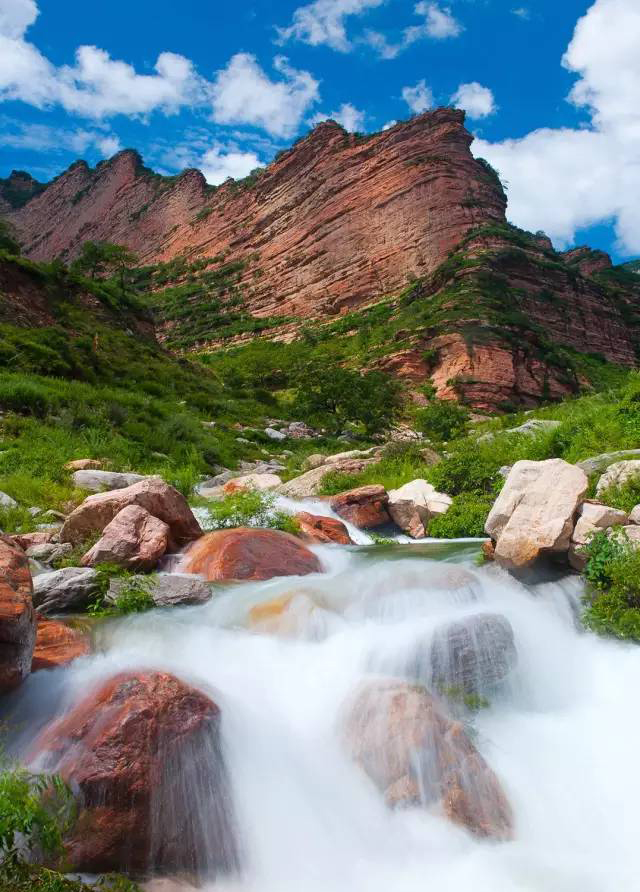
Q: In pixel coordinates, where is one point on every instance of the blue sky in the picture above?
(551, 89)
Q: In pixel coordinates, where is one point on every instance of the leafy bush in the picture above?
(442, 420)
(466, 517)
(624, 497)
(249, 509)
(613, 571)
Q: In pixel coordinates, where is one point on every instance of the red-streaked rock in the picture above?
(57, 644)
(315, 528)
(17, 616)
(365, 507)
(142, 751)
(244, 553)
(416, 755)
(134, 539)
(152, 494)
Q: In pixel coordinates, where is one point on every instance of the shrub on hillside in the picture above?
(466, 517)
(249, 509)
(442, 420)
(613, 573)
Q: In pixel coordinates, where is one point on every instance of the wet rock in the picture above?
(411, 506)
(535, 511)
(17, 616)
(323, 529)
(472, 656)
(167, 589)
(134, 539)
(39, 537)
(69, 589)
(618, 474)
(142, 752)
(365, 507)
(83, 464)
(252, 482)
(151, 493)
(416, 755)
(99, 481)
(57, 644)
(244, 553)
(6, 501)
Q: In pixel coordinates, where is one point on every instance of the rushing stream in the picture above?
(562, 734)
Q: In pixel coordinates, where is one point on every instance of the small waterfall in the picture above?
(550, 709)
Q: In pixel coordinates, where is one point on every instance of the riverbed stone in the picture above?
(68, 589)
(366, 507)
(166, 589)
(411, 506)
(318, 529)
(57, 645)
(594, 517)
(134, 539)
(17, 616)
(252, 483)
(618, 474)
(100, 481)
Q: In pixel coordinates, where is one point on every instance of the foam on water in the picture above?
(562, 737)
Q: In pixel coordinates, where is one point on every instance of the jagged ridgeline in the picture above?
(393, 247)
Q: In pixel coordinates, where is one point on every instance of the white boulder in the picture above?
(618, 474)
(412, 505)
(101, 481)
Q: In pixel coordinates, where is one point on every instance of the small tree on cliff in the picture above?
(103, 258)
(8, 240)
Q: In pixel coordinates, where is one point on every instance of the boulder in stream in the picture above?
(57, 644)
(315, 528)
(244, 553)
(68, 589)
(411, 506)
(417, 756)
(134, 539)
(17, 616)
(142, 754)
(166, 589)
(365, 507)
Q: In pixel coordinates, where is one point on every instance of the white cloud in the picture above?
(522, 12)
(351, 118)
(40, 138)
(438, 24)
(243, 94)
(16, 16)
(218, 164)
(476, 100)
(419, 98)
(323, 22)
(97, 86)
(388, 125)
(561, 180)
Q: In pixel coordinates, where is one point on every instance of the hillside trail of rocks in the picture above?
(404, 720)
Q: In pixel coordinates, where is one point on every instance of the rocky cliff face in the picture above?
(335, 221)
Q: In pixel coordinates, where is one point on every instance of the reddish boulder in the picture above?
(134, 539)
(38, 537)
(57, 644)
(364, 507)
(245, 553)
(315, 528)
(416, 755)
(143, 753)
(17, 616)
(152, 494)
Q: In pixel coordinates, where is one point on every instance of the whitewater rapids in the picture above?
(562, 738)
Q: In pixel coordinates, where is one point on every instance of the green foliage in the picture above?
(101, 258)
(442, 420)
(135, 595)
(466, 517)
(23, 877)
(333, 397)
(613, 604)
(8, 241)
(249, 509)
(625, 497)
(602, 551)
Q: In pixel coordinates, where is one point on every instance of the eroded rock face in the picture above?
(57, 644)
(142, 753)
(536, 510)
(416, 755)
(245, 553)
(152, 494)
(315, 528)
(365, 507)
(17, 616)
(134, 539)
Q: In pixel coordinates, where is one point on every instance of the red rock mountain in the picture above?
(402, 233)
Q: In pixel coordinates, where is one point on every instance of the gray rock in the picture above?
(634, 517)
(168, 589)
(47, 552)
(97, 481)
(219, 480)
(298, 430)
(6, 501)
(599, 463)
(473, 655)
(34, 511)
(529, 429)
(69, 589)
(273, 434)
(617, 474)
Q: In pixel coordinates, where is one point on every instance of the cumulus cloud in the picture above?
(438, 24)
(97, 86)
(243, 94)
(522, 12)
(41, 137)
(562, 180)
(323, 22)
(351, 118)
(419, 98)
(476, 100)
(217, 160)
(218, 164)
